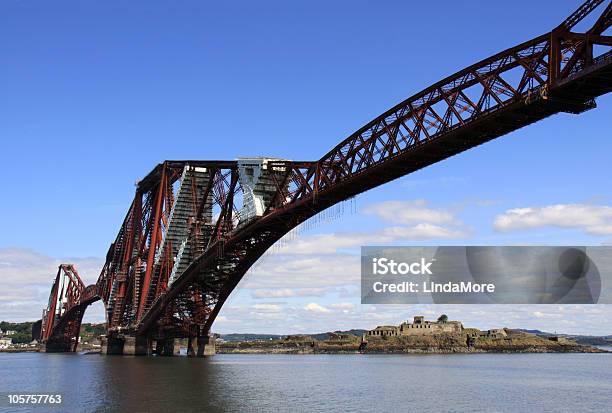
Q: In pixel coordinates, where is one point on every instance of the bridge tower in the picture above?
(61, 320)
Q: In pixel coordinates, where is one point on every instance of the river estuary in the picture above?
(311, 383)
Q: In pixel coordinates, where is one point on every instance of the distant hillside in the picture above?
(325, 336)
(536, 332)
(250, 337)
(260, 337)
(580, 339)
(23, 331)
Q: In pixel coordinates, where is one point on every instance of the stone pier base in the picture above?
(126, 345)
(111, 346)
(167, 347)
(190, 349)
(206, 346)
(137, 346)
(145, 346)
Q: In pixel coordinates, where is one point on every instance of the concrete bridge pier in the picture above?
(190, 347)
(200, 346)
(206, 346)
(111, 345)
(126, 346)
(167, 347)
(59, 347)
(137, 346)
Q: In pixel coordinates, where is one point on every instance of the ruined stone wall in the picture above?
(430, 328)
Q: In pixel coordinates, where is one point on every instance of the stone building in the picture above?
(493, 333)
(384, 331)
(497, 333)
(419, 326)
(558, 339)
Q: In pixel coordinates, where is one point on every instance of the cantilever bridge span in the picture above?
(194, 228)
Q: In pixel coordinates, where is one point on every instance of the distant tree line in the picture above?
(23, 331)
(92, 331)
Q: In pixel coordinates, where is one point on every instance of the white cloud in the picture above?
(326, 243)
(549, 314)
(410, 212)
(415, 221)
(307, 273)
(316, 308)
(288, 292)
(593, 219)
(267, 308)
(331, 243)
(423, 231)
(26, 278)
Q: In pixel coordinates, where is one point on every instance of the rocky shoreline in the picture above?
(460, 343)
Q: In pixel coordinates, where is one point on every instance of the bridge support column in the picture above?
(136, 346)
(191, 347)
(206, 346)
(167, 347)
(57, 348)
(145, 346)
(190, 350)
(111, 346)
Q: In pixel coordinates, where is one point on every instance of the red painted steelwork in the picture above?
(185, 243)
(68, 300)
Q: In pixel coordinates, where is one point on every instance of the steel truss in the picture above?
(183, 245)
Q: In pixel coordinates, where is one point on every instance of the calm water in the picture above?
(250, 383)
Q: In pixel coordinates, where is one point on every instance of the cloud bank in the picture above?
(26, 278)
(592, 219)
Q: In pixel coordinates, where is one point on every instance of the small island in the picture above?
(419, 336)
(442, 336)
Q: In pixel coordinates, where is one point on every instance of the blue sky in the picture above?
(96, 93)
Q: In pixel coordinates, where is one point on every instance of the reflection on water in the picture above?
(479, 382)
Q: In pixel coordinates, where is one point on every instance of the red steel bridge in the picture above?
(195, 227)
